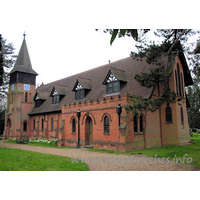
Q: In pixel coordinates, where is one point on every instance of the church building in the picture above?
(88, 109)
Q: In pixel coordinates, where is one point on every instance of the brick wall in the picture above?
(156, 131)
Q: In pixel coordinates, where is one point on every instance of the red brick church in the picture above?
(89, 108)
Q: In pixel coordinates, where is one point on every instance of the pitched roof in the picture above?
(93, 79)
(117, 74)
(120, 74)
(85, 83)
(23, 63)
(60, 89)
(42, 94)
(187, 75)
(124, 70)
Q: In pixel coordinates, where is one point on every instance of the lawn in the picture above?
(41, 144)
(21, 160)
(174, 152)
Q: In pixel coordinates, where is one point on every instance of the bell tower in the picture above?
(20, 95)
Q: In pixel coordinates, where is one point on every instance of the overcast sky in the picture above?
(61, 36)
(60, 42)
(58, 54)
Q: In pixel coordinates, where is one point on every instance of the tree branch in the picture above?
(176, 40)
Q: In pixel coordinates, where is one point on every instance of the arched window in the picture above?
(141, 123)
(179, 79)
(182, 84)
(135, 124)
(106, 125)
(168, 114)
(182, 117)
(176, 83)
(25, 126)
(42, 125)
(26, 97)
(52, 124)
(34, 124)
(73, 125)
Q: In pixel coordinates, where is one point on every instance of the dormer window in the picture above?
(82, 88)
(79, 92)
(112, 85)
(37, 97)
(55, 97)
(58, 92)
(114, 80)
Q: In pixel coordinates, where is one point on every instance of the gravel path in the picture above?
(109, 162)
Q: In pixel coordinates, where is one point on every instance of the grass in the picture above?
(171, 151)
(21, 160)
(41, 145)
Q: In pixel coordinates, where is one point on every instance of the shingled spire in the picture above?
(23, 63)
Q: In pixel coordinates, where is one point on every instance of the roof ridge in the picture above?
(88, 70)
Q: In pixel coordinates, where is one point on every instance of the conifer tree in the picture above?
(170, 41)
(7, 60)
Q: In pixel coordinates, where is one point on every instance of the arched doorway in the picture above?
(8, 128)
(88, 131)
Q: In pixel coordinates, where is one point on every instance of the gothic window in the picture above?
(26, 97)
(112, 84)
(34, 124)
(182, 118)
(55, 98)
(106, 125)
(179, 79)
(25, 126)
(42, 125)
(182, 84)
(168, 114)
(176, 83)
(141, 123)
(79, 92)
(52, 124)
(73, 125)
(135, 121)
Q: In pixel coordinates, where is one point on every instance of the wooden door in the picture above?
(88, 131)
